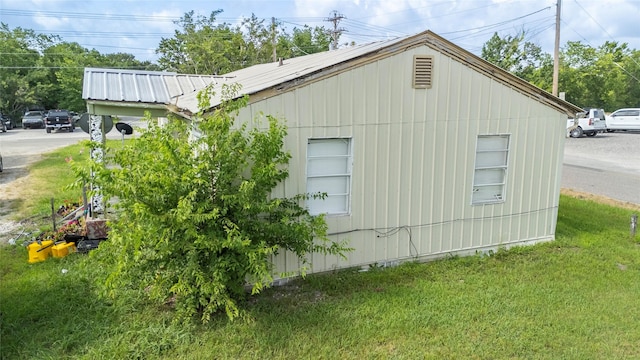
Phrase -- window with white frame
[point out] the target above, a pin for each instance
(329, 164)
(490, 172)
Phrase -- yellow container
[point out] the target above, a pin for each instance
(63, 249)
(39, 252)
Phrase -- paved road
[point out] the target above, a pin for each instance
(18, 146)
(607, 165)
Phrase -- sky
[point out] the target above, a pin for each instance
(137, 26)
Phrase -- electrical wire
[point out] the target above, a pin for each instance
(390, 231)
(603, 29)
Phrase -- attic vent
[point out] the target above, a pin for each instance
(422, 71)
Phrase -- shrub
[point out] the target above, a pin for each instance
(196, 219)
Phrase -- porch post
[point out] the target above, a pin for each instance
(97, 155)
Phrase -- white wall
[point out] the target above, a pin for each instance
(414, 153)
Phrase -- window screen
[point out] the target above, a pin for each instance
(490, 172)
(329, 163)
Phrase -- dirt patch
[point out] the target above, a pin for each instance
(12, 183)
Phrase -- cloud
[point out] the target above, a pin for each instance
(51, 23)
(465, 22)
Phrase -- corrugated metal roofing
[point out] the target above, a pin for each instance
(179, 91)
(264, 76)
(156, 87)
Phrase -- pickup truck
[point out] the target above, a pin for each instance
(590, 123)
(59, 120)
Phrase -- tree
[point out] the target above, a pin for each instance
(19, 73)
(202, 46)
(512, 53)
(631, 66)
(597, 77)
(196, 216)
(309, 40)
(259, 41)
(42, 71)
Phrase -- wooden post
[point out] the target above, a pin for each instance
(84, 195)
(53, 215)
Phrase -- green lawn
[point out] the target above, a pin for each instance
(574, 298)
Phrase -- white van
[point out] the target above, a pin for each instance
(624, 119)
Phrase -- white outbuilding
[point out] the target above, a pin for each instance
(424, 149)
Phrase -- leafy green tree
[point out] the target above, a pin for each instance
(19, 75)
(41, 71)
(514, 54)
(202, 46)
(126, 61)
(599, 77)
(309, 40)
(64, 63)
(197, 219)
(259, 41)
(631, 66)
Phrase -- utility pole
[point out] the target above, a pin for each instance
(556, 51)
(335, 19)
(273, 39)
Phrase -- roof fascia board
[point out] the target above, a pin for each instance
(125, 108)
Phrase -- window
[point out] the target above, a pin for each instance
(329, 163)
(490, 172)
(422, 71)
(626, 113)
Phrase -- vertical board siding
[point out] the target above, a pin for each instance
(414, 155)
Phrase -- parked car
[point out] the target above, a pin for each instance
(3, 127)
(59, 120)
(6, 120)
(1, 167)
(590, 123)
(33, 119)
(624, 119)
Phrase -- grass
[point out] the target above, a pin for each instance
(573, 298)
(49, 178)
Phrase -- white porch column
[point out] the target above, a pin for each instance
(97, 155)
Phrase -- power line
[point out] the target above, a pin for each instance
(603, 29)
(496, 24)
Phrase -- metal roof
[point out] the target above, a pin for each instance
(278, 76)
(178, 92)
(155, 87)
(264, 76)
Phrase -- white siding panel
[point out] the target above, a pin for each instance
(413, 159)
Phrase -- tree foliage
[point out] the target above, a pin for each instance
(599, 77)
(19, 75)
(41, 71)
(606, 77)
(202, 45)
(514, 54)
(197, 221)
